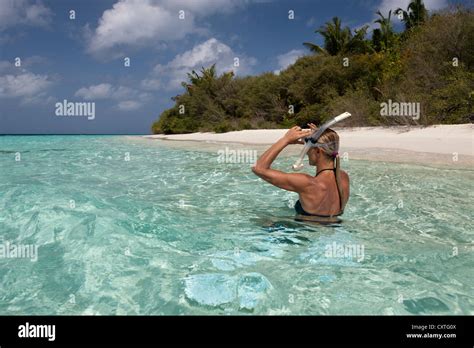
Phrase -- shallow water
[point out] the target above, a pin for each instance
(172, 231)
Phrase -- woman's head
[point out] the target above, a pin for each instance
(328, 148)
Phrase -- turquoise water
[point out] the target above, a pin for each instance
(172, 231)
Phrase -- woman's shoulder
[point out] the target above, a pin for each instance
(345, 181)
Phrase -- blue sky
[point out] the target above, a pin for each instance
(82, 59)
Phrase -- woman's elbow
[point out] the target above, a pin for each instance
(257, 170)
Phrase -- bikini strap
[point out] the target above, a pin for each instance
(333, 169)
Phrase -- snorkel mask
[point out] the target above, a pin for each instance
(312, 140)
(325, 146)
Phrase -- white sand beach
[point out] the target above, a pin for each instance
(443, 144)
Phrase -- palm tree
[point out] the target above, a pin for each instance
(335, 38)
(207, 75)
(358, 43)
(414, 15)
(383, 38)
(377, 40)
(339, 40)
(206, 80)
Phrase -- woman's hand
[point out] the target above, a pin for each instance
(313, 127)
(296, 135)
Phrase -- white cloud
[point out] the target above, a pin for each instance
(288, 58)
(140, 22)
(151, 84)
(203, 7)
(25, 84)
(128, 105)
(30, 88)
(101, 91)
(205, 54)
(387, 5)
(20, 82)
(38, 15)
(23, 12)
(127, 98)
(135, 22)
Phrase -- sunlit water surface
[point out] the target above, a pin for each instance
(172, 231)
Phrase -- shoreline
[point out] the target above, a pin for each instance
(451, 145)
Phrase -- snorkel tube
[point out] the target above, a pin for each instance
(313, 138)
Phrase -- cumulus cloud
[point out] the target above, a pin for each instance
(127, 98)
(204, 54)
(21, 83)
(135, 22)
(101, 91)
(23, 12)
(288, 58)
(141, 22)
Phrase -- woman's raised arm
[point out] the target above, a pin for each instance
(290, 182)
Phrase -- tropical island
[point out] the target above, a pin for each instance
(430, 63)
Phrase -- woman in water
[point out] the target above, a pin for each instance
(321, 197)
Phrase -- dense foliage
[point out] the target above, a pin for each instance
(431, 62)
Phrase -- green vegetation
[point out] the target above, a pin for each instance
(415, 14)
(431, 62)
(338, 40)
